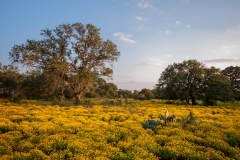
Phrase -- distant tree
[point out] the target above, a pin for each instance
(10, 81)
(135, 94)
(181, 81)
(123, 93)
(36, 85)
(102, 89)
(141, 96)
(147, 94)
(159, 89)
(111, 90)
(74, 53)
(191, 80)
(154, 92)
(233, 74)
(215, 87)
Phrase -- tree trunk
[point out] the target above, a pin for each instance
(5, 93)
(38, 96)
(60, 95)
(12, 94)
(193, 100)
(187, 100)
(77, 97)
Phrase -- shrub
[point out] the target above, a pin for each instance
(209, 102)
(59, 145)
(233, 139)
(4, 128)
(151, 124)
(35, 140)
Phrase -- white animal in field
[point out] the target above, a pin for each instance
(166, 114)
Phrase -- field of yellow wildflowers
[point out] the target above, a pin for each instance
(42, 131)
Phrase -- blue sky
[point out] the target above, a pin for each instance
(150, 34)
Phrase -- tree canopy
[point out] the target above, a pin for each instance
(73, 53)
(233, 74)
(146, 94)
(10, 80)
(192, 80)
(103, 89)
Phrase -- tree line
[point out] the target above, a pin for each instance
(183, 85)
(73, 61)
(35, 85)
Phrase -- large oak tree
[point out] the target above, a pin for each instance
(75, 53)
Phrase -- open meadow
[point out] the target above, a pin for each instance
(42, 131)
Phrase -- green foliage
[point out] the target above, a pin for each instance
(190, 81)
(233, 74)
(233, 139)
(166, 154)
(217, 87)
(147, 93)
(74, 54)
(189, 120)
(123, 93)
(102, 89)
(181, 81)
(34, 154)
(35, 140)
(135, 94)
(209, 102)
(66, 103)
(59, 145)
(10, 81)
(151, 124)
(87, 103)
(4, 128)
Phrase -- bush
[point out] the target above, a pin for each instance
(233, 139)
(4, 129)
(61, 102)
(35, 140)
(209, 102)
(151, 124)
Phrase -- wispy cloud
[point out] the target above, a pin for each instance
(233, 49)
(124, 37)
(178, 23)
(141, 27)
(141, 18)
(166, 31)
(144, 4)
(188, 26)
(186, 1)
(222, 60)
(152, 62)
